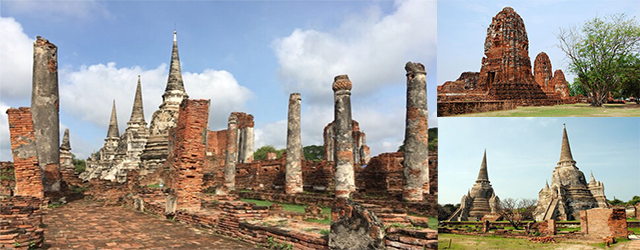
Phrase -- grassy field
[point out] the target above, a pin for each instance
(494, 242)
(567, 110)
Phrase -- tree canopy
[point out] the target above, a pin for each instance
(261, 153)
(313, 152)
(604, 54)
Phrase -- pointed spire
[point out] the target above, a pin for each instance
(565, 151)
(66, 145)
(175, 75)
(137, 114)
(483, 175)
(593, 180)
(546, 184)
(113, 123)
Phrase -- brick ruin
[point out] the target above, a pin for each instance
(600, 222)
(202, 173)
(506, 74)
(569, 192)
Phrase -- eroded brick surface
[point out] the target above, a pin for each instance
(601, 222)
(20, 223)
(85, 224)
(25, 155)
(187, 153)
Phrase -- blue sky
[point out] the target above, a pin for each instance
(462, 29)
(522, 153)
(244, 56)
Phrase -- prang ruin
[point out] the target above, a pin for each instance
(506, 79)
(178, 169)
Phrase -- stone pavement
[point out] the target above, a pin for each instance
(85, 224)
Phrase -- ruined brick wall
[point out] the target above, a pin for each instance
(188, 142)
(217, 142)
(318, 176)
(20, 220)
(269, 175)
(25, 156)
(447, 108)
(432, 185)
(601, 222)
(383, 175)
(214, 163)
(7, 178)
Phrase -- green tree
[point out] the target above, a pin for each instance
(79, 164)
(261, 153)
(576, 88)
(313, 152)
(600, 52)
(635, 200)
(616, 202)
(444, 212)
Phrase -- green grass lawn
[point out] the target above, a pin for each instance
(495, 242)
(567, 110)
(295, 208)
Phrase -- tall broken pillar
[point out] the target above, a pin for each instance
(25, 154)
(416, 156)
(231, 155)
(293, 166)
(45, 111)
(352, 225)
(187, 155)
(343, 139)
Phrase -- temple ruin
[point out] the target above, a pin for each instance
(176, 168)
(506, 79)
(481, 203)
(569, 192)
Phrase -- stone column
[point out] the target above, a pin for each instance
(294, 147)
(343, 139)
(232, 151)
(416, 157)
(45, 111)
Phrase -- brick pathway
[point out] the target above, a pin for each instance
(85, 224)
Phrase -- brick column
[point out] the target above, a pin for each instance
(343, 139)
(416, 162)
(294, 147)
(189, 152)
(45, 111)
(25, 153)
(232, 151)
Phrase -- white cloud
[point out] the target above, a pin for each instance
(5, 143)
(88, 92)
(371, 48)
(16, 60)
(274, 134)
(224, 91)
(54, 10)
